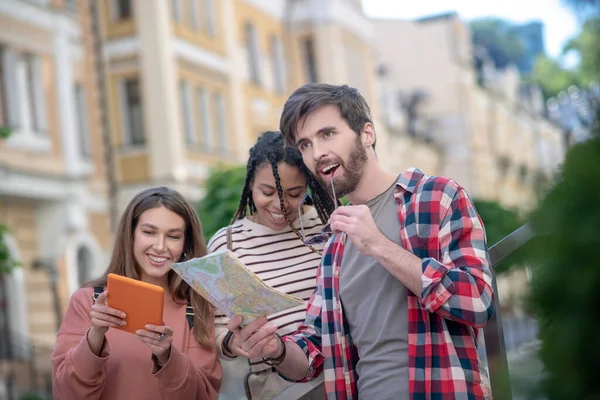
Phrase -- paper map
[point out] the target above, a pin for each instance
(222, 279)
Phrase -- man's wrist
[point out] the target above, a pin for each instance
(278, 359)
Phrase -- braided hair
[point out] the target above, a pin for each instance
(271, 149)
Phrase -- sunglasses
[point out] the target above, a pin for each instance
(326, 232)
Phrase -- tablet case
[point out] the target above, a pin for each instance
(142, 302)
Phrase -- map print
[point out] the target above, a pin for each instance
(222, 279)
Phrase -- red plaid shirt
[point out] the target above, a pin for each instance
(441, 226)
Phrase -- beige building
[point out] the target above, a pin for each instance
(52, 172)
(494, 138)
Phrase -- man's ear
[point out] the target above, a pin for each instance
(367, 135)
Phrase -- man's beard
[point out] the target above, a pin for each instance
(353, 171)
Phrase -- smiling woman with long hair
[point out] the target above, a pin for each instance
(176, 360)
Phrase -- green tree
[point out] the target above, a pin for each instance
(499, 38)
(4, 132)
(587, 46)
(566, 276)
(7, 263)
(223, 189)
(499, 222)
(552, 77)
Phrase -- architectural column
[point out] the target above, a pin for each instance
(65, 92)
(158, 78)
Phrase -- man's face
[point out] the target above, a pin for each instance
(331, 149)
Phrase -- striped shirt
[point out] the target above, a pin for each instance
(281, 260)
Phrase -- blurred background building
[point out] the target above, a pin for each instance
(107, 98)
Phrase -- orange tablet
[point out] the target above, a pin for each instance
(142, 302)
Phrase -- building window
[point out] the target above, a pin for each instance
(34, 93)
(211, 17)
(82, 121)
(253, 53)
(278, 62)
(195, 14)
(221, 123)
(310, 62)
(133, 127)
(11, 97)
(4, 90)
(176, 10)
(205, 119)
(121, 9)
(186, 108)
(23, 102)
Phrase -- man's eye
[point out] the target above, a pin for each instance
(304, 146)
(328, 134)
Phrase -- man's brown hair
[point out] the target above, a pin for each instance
(312, 96)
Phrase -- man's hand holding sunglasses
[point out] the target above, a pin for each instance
(358, 224)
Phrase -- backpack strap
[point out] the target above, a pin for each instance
(97, 292)
(229, 239)
(189, 312)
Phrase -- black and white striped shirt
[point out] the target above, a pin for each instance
(281, 260)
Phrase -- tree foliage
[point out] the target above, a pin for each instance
(566, 276)
(7, 263)
(499, 222)
(551, 77)
(587, 46)
(500, 39)
(223, 189)
(4, 132)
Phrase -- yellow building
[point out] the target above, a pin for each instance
(192, 83)
(53, 192)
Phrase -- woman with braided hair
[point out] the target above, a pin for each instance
(266, 233)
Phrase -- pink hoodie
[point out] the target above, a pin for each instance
(125, 369)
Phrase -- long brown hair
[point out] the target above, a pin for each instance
(123, 260)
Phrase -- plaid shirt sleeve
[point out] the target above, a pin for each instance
(459, 287)
(308, 334)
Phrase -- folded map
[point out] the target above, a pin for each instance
(223, 280)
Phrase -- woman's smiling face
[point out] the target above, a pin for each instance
(266, 199)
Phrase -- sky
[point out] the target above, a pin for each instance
(559, 21)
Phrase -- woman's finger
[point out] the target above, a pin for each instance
(153, 335)
(105, 317)
(160, 329)
(100, 323)
(108, 310)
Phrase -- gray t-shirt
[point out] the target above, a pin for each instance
(375, 307)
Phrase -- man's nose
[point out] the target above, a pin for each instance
(319, 151)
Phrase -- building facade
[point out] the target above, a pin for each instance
(53, 191)
(492, 131)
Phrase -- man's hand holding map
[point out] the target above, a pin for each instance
(222, 279)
